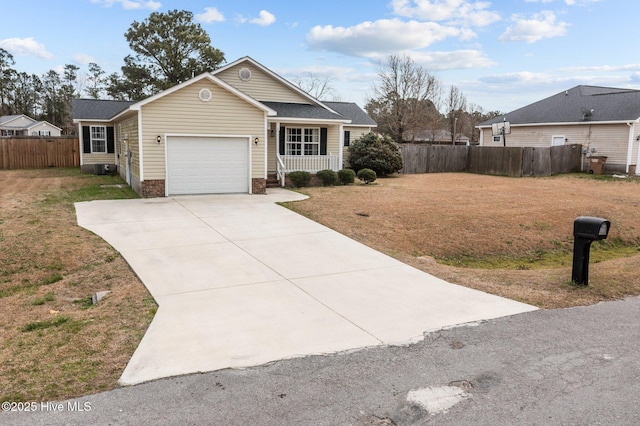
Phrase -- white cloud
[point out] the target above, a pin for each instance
(384, 36)
(472, 13)
(131, 4)
(211, 14)
(25, 47)
(265, 19)
(458, 59)
(540, 26)
(83, 59)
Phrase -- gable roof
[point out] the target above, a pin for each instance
(273, 75)
(578, 105)
(97, 109)
(6, 120)
(352, 111)
(211, 78)
(304, 111)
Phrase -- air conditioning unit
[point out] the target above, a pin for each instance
(100, 169)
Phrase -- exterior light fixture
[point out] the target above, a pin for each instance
(158, 138)
(256, 140)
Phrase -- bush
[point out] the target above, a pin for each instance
(367, 175)
(300, 179)
(378, 153)
(327, 177)
(346, 176)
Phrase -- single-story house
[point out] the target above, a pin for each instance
(22, 125)
(221, 132)
(440, 137)
(604, 120)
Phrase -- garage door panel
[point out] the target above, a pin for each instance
(207, 165)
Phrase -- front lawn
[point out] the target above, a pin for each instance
(508, 236)
(55, 343)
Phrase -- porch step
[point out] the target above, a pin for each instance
(273, 181)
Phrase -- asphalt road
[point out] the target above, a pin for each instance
(578, 366)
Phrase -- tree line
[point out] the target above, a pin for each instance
(169, 48)
(407, 100)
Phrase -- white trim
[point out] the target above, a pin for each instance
(578, 123)
(629, 147)
(342, 147)
(277, 77)
(137, 106)
(266, 150)
(140, 154)
(311, 121)
(200, 135)
(638, 161)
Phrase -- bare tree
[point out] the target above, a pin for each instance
(405, 96)
(456, 105)
(317, 85)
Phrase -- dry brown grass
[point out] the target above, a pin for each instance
(54, 344)
(507, 236)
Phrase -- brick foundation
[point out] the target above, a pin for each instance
(258, 186)
(152, 188)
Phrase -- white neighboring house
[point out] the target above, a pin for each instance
(22, 125)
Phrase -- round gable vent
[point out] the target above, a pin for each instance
(244, 74)
(205, 95)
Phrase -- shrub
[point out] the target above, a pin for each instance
(346, 176)
(300, 179)
(327, 177)
(367, 175)
(378, 153)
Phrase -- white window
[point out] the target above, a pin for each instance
(302, 141)
(98, 139)
(557, 140)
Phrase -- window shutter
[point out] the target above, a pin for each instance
(323, 141)
(282, 139)
(86, 140)
(111, 146)
(347, 138)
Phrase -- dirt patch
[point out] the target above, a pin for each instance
(512, 227)
(55, 344)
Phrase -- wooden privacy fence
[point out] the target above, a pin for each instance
(39, 153)
(503, 161)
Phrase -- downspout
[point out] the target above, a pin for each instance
(629, 148)
(341, 147)
(481, 138)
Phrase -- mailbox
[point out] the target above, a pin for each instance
(586, 230)
(591, 228)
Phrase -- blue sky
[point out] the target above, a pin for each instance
(501, 54)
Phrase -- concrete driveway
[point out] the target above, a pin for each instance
(241, 281)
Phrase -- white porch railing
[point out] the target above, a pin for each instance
(310, 163)
(280, 169)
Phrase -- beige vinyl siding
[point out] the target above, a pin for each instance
(261, 86)
(182, 112)
(611, 140)
(356, 133)
(89, 158)
(128, 129)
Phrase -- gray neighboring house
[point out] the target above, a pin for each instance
(604, 120)
(22, 125)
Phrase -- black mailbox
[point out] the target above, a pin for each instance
(586, 229)
(591, 228)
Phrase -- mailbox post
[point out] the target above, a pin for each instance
(586, 230)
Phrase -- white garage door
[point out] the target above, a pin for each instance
(207, 165)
